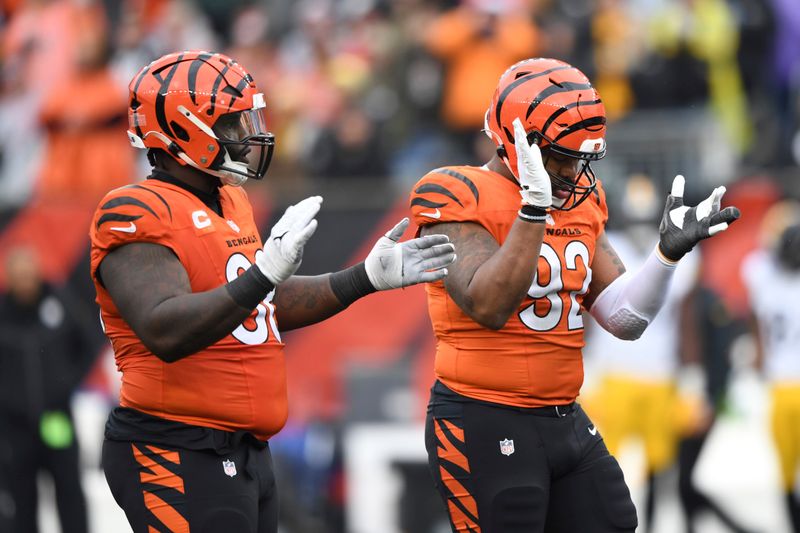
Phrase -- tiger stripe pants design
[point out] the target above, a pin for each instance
(165, 489)
(502, 469)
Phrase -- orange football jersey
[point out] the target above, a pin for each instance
(239, 383)
(535, 359)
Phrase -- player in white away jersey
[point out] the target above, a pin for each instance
(772, 277)
(636, 394)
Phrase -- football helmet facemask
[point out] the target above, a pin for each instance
(205, 111)
(561, 112)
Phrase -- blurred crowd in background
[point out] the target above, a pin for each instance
(386, 89)
(379, 92)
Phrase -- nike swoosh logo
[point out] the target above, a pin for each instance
(592, 430)
(126, 229)
(435, 214)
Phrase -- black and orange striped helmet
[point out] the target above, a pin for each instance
(204, 110)
(561, 112)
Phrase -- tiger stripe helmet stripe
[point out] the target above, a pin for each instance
(194, 69)
(176, 101)
(560, 111)
(520, 78)
(161, 96)
(552, 90)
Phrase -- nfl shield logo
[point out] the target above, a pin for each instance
(230, 468)
(506, 447)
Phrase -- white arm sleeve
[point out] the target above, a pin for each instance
(627, 306)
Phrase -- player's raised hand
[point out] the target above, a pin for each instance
(534, 181)
(283, 250)
(392, 264)
(682, 226)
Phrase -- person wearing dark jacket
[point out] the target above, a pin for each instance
(46, 349)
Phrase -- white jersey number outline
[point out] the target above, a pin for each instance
(236, 263)
(551, 290)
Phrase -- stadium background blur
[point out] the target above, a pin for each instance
(364, 97)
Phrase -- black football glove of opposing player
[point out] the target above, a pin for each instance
(682, 226)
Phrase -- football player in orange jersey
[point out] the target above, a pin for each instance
(194, 302)
(509, 448)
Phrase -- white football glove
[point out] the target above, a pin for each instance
(392, 264)
(283, 250)
(682, 227)
(534, 180)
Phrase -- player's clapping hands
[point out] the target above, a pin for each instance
(283, 250)
(392, 264)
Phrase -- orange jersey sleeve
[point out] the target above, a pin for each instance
(446, 194)
(235, 384)
(535, 359)
(135, 213)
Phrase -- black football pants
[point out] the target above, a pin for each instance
(172, 490)
(503, 469)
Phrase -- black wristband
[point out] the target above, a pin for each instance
(529, 213)
(351, 284)
(250, 288)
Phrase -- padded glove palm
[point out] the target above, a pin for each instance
(534, 180)
(392, 264)
(283, 250)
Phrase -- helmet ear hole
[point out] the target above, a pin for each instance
(509, 135)
(180, 131)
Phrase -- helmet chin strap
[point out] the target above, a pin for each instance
(233, 173)
(228, 173)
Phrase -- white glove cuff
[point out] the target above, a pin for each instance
(275, 271)
(627, 306)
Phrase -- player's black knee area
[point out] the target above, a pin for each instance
(518, 510)
(613, 494)
(225, 521)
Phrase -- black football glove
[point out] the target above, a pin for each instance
(682, 227)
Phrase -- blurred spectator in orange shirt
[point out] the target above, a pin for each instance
(47, 33)
(476, 42)
(86, 150)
